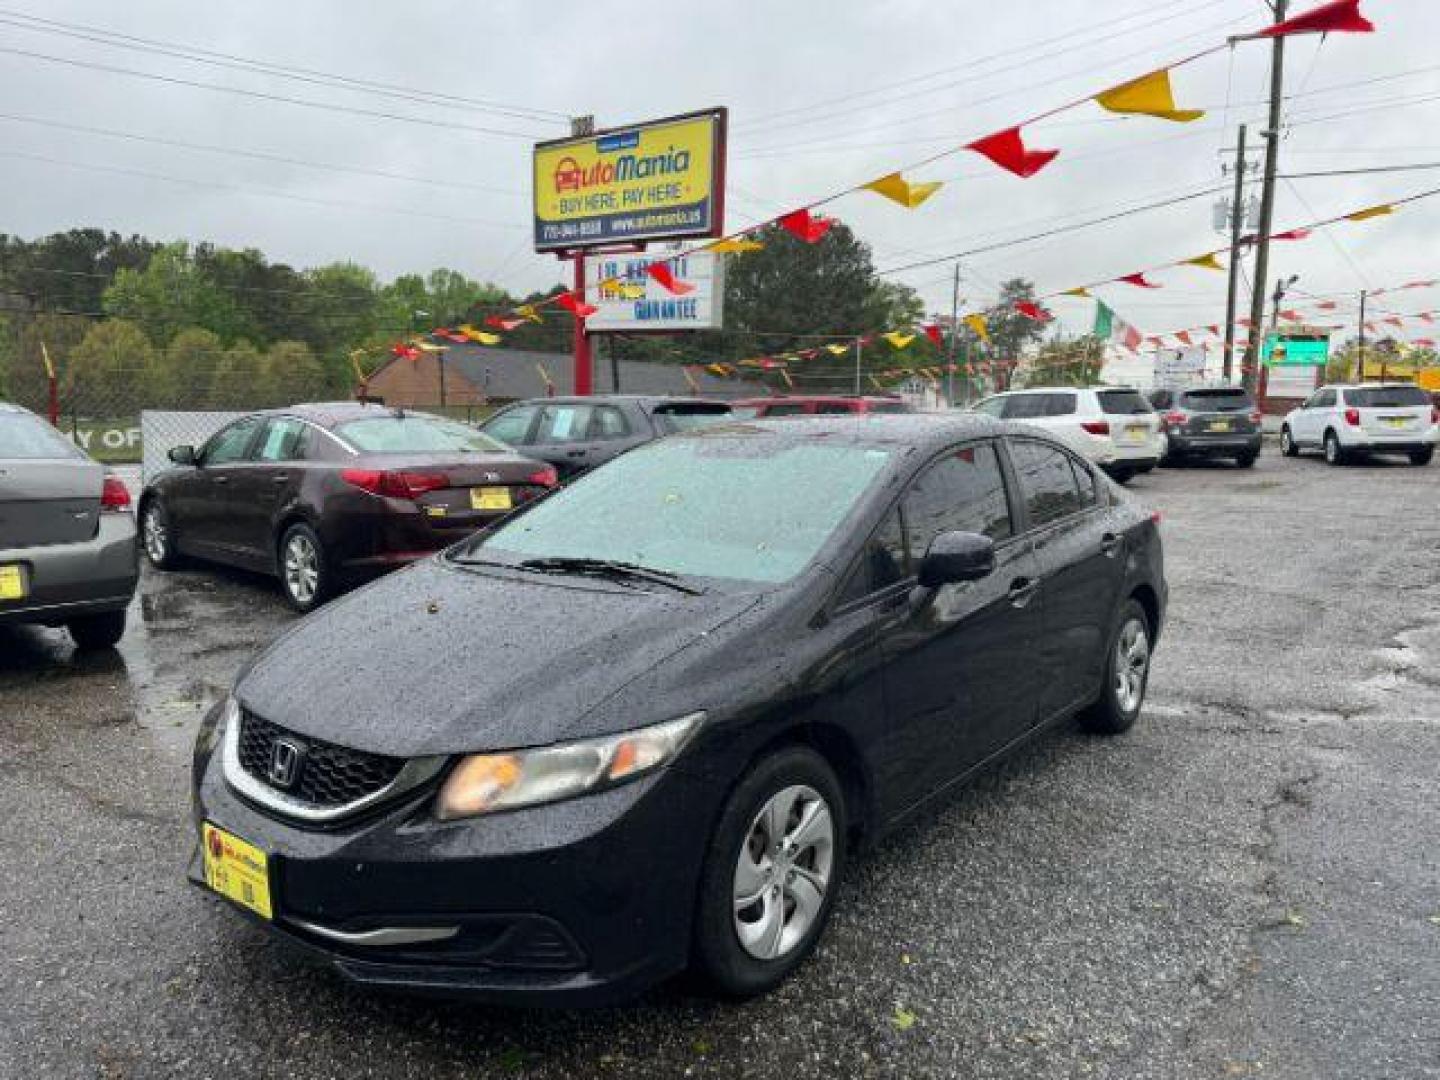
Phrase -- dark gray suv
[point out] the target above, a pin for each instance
(1208, 421)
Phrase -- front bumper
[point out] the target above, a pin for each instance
(65, 581)
(581, 902)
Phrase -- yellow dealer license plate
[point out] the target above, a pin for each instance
(490, 498)
(12, 582)
(1397, 421)
(1220, 425)
(236, 869)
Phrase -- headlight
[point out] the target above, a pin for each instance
(482, 783)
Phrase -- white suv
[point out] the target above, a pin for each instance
(1373, 418)
(1113, 426)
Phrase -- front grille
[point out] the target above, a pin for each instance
(325, 775)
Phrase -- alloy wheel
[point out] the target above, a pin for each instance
(1132, 662)
(302, 568)
(155, 534)
(783, 872)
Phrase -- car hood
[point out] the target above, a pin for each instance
(442, 660)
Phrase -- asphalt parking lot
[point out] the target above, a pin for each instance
(1248, 884)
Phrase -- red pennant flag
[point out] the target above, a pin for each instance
(1214, 329)
(1393, 321)
(500, 323)
(662, 273)
(1419, 284)
(577, 307)
(1132, 338)
(1006, 149)
(1291, 234)
(1336, 16)
(1033, 311)
(1183, 336)
(404, 351)
(1326, 305)
(450, 335)
(1370, 326)
(1428, 343)
(1138, 280)
(800, 223)
(1290, 315)
(932, 331)
(1243, 322)
(1426, 316)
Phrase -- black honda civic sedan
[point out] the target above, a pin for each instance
(640, 724)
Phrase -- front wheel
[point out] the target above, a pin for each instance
(1334, 452)
(1287, 443)
(304, 573)
(158, 536)
(1422, 457)
(770, 878)
(1127, 673)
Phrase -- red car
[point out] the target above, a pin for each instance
(816, 405)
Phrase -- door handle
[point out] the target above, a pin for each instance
(576, 453)
(1110, 544)
(1021, 590)
(220, 479)
(279, 478)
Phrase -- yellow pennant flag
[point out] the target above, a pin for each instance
(899, 340)
(1205, 262)
(1079, 290)
(527, 311)
(978, 324)
(717, 369)
(425, 346)
(895, 187)
(1149, 95)
(1370, 212)
(838, 350)
(480, 336)
(737, 246)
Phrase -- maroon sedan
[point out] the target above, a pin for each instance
(326, 495)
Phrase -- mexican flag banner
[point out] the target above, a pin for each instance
(1110, 327)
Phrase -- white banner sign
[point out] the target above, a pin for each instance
(1180, 367)
(632, 300)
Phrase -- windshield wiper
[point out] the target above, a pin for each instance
(608, 568)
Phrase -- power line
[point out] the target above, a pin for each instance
(257, 155)
(115, 39)
(260, 95)
(267, 192)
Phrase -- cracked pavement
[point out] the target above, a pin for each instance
(1248, 884)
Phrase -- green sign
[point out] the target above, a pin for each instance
(1282, 351)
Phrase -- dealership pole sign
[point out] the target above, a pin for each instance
(630, 300)
(660, 180)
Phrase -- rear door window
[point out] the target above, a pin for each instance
(1220, 400)
(1387, 397)
(284, 439)
(1047, 481)
(686, 416)
(1123, 402)
(1325, 399)
(889, 407)
(1024, 407)
(784, 408)
(26, 437)
(563, 424)
(608, 422)
(994, 406)
(833, 408)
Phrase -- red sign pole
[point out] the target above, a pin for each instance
(582, 380)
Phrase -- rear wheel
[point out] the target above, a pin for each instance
(1127, 672)
(770, 878)
(1287, 443)
(1334, 452)
(102, 631)
(1422, 457)
(1246, 460)
(304, 575)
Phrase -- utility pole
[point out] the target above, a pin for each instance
(859, 347)
(1267, 201)
(1237, 216)
(1360, 348)
(954, 338)
(1281, 284)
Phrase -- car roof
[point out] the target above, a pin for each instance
(641, 399)
(818, 398)
(328, 414)
(921, 431)
(8, 407)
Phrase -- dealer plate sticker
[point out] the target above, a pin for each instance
(237, 870)
(12, 582)
(490, 498)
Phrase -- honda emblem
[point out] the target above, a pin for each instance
(286, 760)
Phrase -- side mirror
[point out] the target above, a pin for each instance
(183, 455)
(957, 556)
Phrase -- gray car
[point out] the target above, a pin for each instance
(68, 550)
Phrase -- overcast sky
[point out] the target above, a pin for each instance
(821, 96)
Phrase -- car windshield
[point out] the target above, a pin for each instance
(1386, 397)
(889, 407)
(29, 438)
(416, 435)
(689, 417)
(1219, 400)
(748, 508)
(1123, 402)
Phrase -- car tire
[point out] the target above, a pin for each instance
(1127, 674)
(1287, 443)
(1246, 461)
(1122, 476)
(157, 535)
(102, 631)
(742, 950)
(1334, 452)
(304, 570)
(1422, 457)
